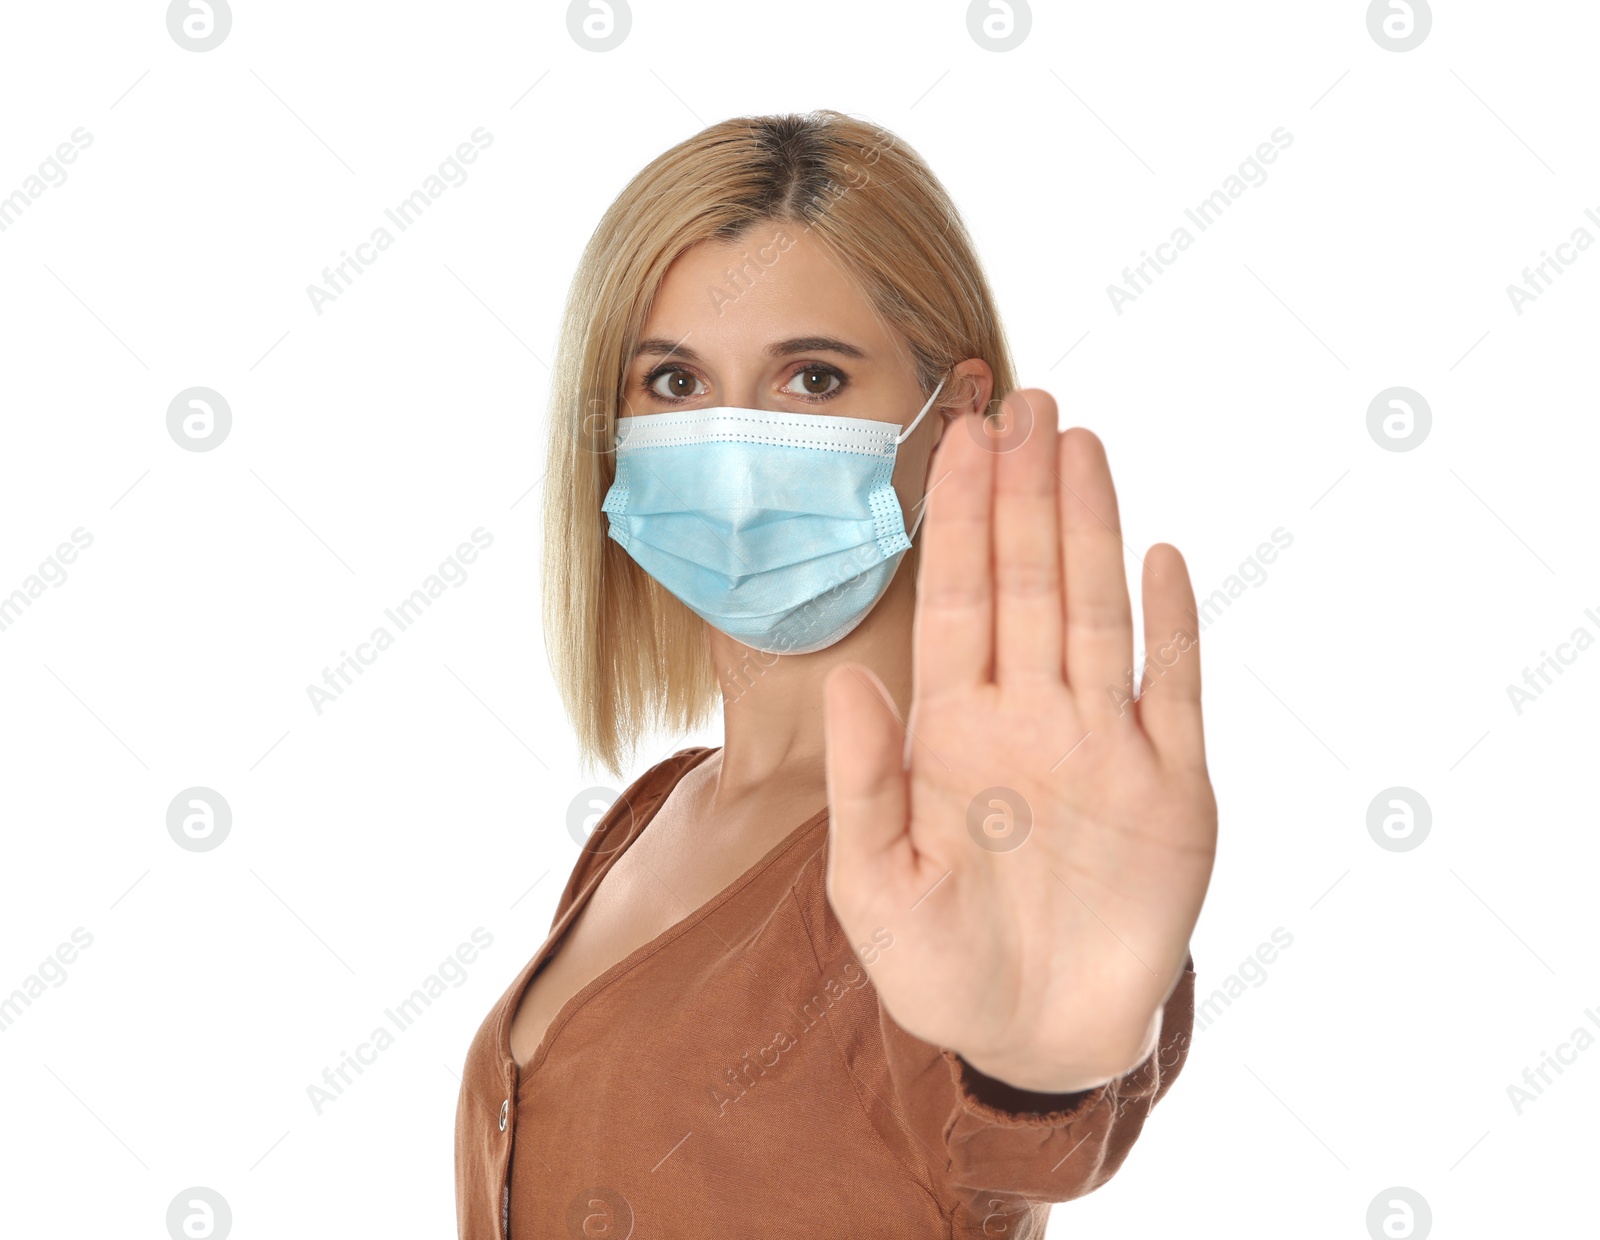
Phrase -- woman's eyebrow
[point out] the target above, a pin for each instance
(665, 348)
(662, 347)
(813, 344)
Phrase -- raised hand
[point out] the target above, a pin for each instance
(1042, 844)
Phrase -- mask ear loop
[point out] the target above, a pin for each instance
(906, 434)
(922, 504)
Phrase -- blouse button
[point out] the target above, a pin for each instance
(505, 1109)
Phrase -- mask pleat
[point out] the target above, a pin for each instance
(784, 538)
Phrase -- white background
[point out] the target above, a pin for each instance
(368, 441)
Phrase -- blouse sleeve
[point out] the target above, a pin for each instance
(984, 1137)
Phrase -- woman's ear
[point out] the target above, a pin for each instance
(971, 389)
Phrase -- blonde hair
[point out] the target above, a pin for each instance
(627, 656)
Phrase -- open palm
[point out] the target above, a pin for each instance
(1038, 841)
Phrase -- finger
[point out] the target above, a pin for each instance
(868, 804)
(1027, 542)
(952, 640)
(1099, 615)
(1169, 691)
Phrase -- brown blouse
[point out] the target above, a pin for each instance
(737, 1076)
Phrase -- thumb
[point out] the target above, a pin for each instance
(867, 785)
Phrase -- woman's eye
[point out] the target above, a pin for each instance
(674, 385)
(813, 381)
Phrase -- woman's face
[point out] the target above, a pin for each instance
(771, 321)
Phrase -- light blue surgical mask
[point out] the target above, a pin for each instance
(779, 529)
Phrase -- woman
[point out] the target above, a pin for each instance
(908, 954)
